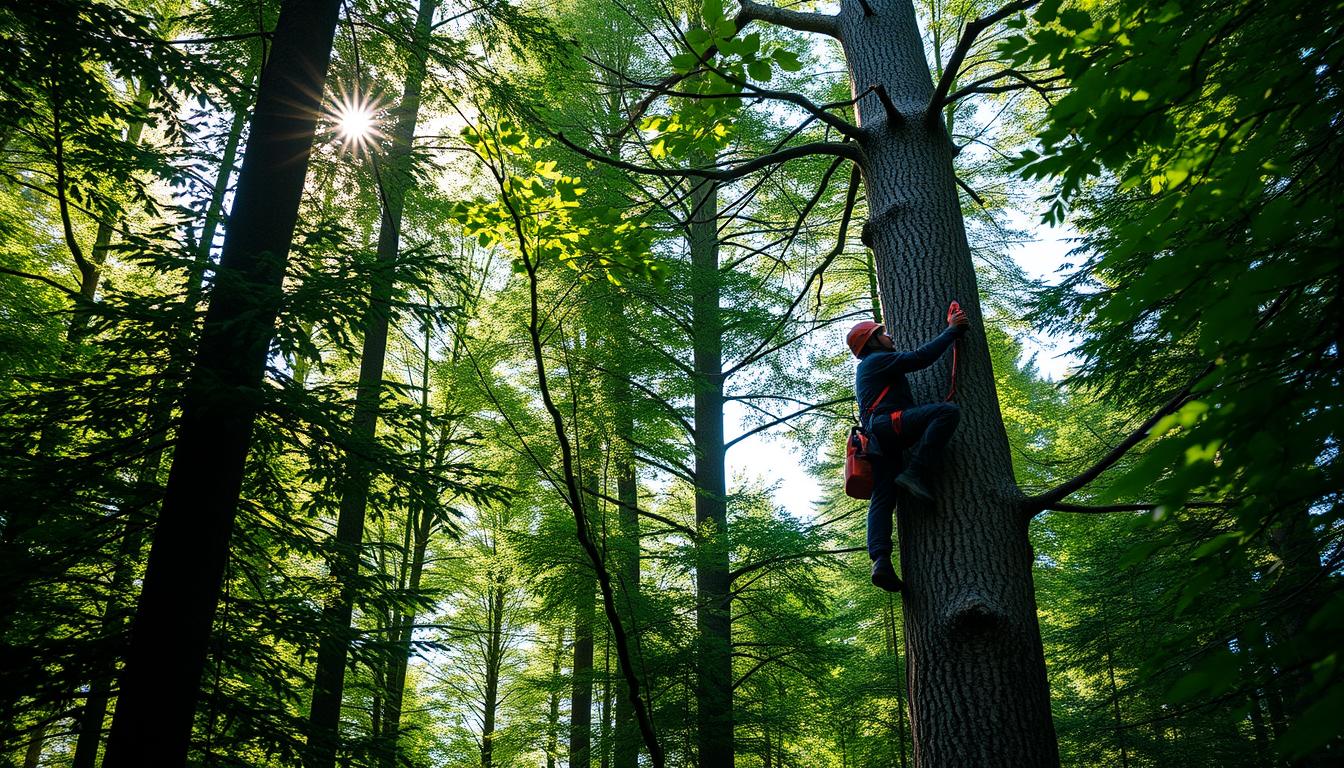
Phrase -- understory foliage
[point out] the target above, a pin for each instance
(534, 530)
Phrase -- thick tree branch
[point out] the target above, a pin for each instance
(978, 200)
(1035, 504)
(972, 31)
(1088, 509)
(796, 20)
(737, 171)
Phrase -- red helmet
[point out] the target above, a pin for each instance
(859, 335)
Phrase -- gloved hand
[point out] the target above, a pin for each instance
(957, 319)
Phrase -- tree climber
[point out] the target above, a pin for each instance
(894, 422)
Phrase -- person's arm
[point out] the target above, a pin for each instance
(926, 355)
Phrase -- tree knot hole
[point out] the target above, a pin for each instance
(974, 616)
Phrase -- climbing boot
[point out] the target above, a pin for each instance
(909, 480)
(884, 575)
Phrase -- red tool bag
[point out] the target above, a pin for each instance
(858, 461)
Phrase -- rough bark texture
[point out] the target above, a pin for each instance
(714, 667)
(978, 687)
(329, 677)
(161, 680)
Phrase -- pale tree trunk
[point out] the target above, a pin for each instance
(553, 703)
(394, 181)
(604, 707)
(419, 526)
(978, 687)
(170, 640)
(493, 661)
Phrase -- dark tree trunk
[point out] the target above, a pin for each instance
(329, 677)
(714, 667)
(978, 688)
(170, 638)
(625, 749)
(581, 693)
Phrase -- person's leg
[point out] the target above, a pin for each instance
(934, 425)
(881, 506)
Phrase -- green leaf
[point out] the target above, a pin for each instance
(787, 60)
(684, 62)
(711, 12)
(760, 70)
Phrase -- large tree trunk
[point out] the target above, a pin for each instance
(94, 713)
(161, 680)
(714, 667)
(978, 687)
(329, 677)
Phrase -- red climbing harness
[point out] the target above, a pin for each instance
(858, 459)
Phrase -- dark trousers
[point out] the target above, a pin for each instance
(925, 427)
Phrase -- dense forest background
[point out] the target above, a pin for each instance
(371, 372)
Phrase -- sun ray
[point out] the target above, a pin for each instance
(354, 120)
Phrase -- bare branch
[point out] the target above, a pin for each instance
(764, 348)
(846, 129)
(780, 420)
(737, 171)
(796, 20)
(756, 566)
(29, 276)
(888, 106)
(968, 36)
(1024, 81)
(978, 200)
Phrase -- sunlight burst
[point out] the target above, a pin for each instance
(355, 118)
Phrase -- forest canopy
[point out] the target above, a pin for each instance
(424, 383)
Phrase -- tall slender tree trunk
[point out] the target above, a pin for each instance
(894, 648)
(553, 702)
(625, 747)
(395, 179)
(714, 667)
(214, 212)
(493, 662)
(979, 694)
(581, 691)
(170, 639)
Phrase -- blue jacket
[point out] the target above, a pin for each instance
(887, 369)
